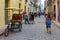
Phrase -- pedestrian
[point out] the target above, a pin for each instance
(39, 14)
(48, 23)
(32, 17)
(29, 16)
(26, 18)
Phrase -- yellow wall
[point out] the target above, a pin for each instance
(2, 20)
(27, 6)
(23, 6)
(53, 3)
(13, 4)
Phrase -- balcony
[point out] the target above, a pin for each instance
(49, 2)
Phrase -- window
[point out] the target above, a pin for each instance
(54, 8)
(19, 5)
(25, 1)
(25, 8)
(28, 9)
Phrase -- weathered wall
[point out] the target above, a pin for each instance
(2, 17)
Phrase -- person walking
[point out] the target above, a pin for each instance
(48, 23)
(26, 18)
(32, 18)
(39, 14)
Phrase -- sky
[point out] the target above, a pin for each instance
(42, 4)
(42, 1)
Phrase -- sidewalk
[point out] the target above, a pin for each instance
(2, 29)
(56, 23)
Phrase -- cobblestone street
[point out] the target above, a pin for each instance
(35, 31)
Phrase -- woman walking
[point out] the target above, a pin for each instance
(48, 23)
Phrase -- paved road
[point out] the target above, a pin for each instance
(35, 31)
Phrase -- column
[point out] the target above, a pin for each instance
(56, 11)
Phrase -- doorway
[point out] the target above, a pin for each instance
(54, 16)
(6, 11)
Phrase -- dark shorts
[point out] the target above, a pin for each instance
(32, 17)
(48, 26)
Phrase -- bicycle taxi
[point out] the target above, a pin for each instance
(15, 22)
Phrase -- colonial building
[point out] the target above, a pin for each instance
(4, 14)
(54, 7)
(46, 7)
(24, 6)
(7, 7)
(57, 10)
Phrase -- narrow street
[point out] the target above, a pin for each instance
(35, 31)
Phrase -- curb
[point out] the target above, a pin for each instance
(2, 32)
(56, 24)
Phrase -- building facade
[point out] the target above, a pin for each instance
(4, 13)
(24, 6)
(54, 7)
(57, 8)
(46, 7)
(6, 7)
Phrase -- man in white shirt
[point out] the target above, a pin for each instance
(26, 18)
